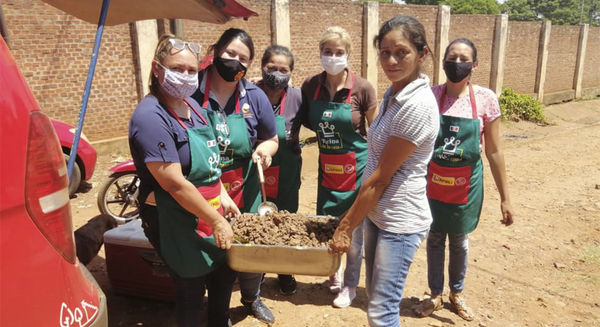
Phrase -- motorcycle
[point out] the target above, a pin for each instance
(118, 196)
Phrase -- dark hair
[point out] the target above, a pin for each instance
(228, 36)
(412, 28)
(275, 50)
(463, 41)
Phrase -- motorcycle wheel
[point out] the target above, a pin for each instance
(118, 197)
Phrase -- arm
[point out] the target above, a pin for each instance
(267, 142)
(265, 151)
(372, 106)
(170, 178)
(371, 113)
(396, 151)
(495, 156)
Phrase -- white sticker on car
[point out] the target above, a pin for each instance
(80, 316)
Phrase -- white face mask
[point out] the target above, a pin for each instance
(334, 65)
(179, 85)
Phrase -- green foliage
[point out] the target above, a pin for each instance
(490, 7)
(423, 2)
(516, 107)
(560, 12)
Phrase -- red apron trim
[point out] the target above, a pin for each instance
(179, 119)
(272, 181)
(348, 99)
(282, 105)
(212, 194)
(448, 184)
(233, 181)
(339, 171)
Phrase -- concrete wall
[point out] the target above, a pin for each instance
(53, 51)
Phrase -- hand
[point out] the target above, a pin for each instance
(230, 209)
(223, 234)
(507, 213)
(340, 243)
(258, 157)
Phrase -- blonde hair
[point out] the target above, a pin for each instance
(336, 33)
(163, 50)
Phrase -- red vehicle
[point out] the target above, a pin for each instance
(43, 283)
(85, 163)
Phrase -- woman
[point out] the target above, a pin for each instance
(246, 135)
(341, 106)
(469, 114)
(181, 197)
(392, 195)
(282, 179)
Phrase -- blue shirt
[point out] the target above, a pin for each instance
(260, 119)
(156, 136)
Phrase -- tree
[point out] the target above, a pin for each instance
(560, 12)
(463, 6)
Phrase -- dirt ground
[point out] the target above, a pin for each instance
(542, 271)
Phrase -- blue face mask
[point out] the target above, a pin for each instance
(275, 80)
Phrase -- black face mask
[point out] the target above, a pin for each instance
(457, 71)
(230, 70)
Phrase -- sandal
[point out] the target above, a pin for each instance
(461, 307)
(428, 306)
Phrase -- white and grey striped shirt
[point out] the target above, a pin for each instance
(411, 114)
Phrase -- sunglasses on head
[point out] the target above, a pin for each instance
(180, 45)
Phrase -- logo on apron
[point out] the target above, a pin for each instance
(454, 129)
(450, 150)
(327, 114)
(215, 203)
(441, 180)
(213, 162)
(211, 143)
(226, 154)
(334, 169)
(329, 138)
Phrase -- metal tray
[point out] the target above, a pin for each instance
(281, 259)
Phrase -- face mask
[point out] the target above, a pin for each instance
(334, 65)
(179, 85)
(457, 71)
(275, 80)
(230, 70)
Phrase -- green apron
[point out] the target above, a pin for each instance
(187, 244)
(342, 154)
(239, 179)
(285, 167)
(455, 175)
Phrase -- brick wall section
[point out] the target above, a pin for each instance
(520, 64)
(427, 15)
(591, 66)
(259, 29)
(562, 58)
(308, 21)
(53, 51)
(480, 30)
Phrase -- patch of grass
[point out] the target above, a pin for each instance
(591, 254)
(516, 107)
